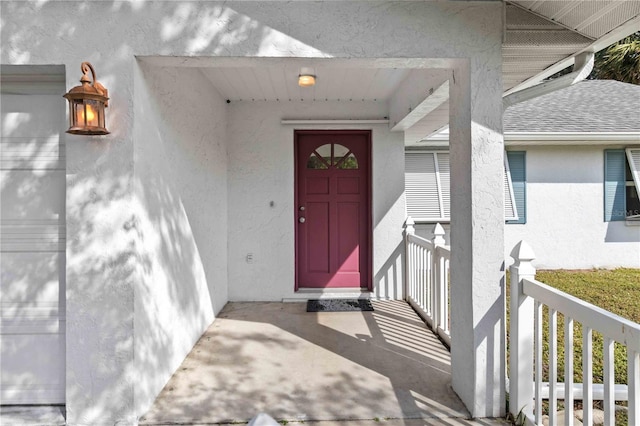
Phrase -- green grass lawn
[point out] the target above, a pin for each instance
(617, 291)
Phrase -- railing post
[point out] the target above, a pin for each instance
(521, 332)
(436, 278)
(438, 235)
(409, 229)
(409, 226)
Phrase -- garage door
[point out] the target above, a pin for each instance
(32, 235)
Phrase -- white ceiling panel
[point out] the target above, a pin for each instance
(280, 82)
(591, 18)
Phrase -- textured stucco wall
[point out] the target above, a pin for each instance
(477, 225)
(261, 172)
(104, 273)
(180, 164)
(565, 220)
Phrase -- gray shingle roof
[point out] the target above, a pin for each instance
(588, 106)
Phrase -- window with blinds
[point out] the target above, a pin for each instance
(427, 187)
(632, 184)
(621, 184)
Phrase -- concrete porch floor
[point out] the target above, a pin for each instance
(357, 368)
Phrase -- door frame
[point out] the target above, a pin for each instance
(369, 205)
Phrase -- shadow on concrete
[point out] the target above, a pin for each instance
(299, 366)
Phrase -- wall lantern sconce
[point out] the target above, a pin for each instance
(86, 105)
(306, 78)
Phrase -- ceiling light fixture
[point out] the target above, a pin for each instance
(306, 78)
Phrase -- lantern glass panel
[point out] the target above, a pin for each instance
(91, 109)
(78, 113)
(101, 116)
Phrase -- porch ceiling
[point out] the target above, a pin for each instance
(280, 83)
(541, 38)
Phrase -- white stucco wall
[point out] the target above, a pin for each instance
(180, 202)
(107, 279)
(261, 173)
(565, 220)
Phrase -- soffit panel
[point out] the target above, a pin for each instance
(593, 18)
(271, 83)
(533, 43)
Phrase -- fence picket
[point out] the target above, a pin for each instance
(587, 376)
(568, 371)
(609, 376)
(427, 272)
(553, 365)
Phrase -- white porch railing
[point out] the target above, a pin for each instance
(526, 390)
(427, 275)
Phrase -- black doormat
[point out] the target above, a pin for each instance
(339, 305)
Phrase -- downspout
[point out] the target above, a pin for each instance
(581, 69)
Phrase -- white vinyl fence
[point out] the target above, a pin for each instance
(427, 275)
(526, 388)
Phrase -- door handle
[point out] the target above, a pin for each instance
(302, 220)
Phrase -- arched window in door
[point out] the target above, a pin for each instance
(332, 156)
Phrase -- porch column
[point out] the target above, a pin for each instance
(477, 236)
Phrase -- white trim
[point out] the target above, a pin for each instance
(422, 221)
(550, 138)
(581, 70)
(32, 79)
(560, 138)
(329, 121)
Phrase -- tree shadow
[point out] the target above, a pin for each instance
(145, 266)
(276, 358)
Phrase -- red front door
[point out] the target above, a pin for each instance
(332, 209)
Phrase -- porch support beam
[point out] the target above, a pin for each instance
(477, 236)
(419, 94)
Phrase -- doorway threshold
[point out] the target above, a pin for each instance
(303, 294)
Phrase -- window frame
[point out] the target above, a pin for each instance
(521, 208)
(616, 183)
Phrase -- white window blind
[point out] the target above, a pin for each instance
(510, 210)
(423, 185)
(633, 156)
(427, 187)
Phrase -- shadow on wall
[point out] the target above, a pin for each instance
(116, 241)
(181, 188)
(136, 238)
(387, 283)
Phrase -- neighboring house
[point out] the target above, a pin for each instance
(223, 180)
(572, 171)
